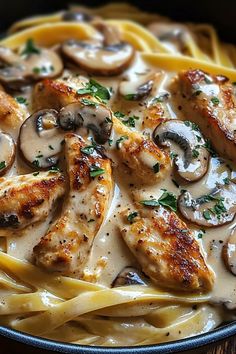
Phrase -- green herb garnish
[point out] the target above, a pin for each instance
(206, 214)
(130, 97)
(215, 101)
(2, 164)
(30, 48)
(167, 199)
(21, 100)
(88, 150)
(131, 216)
(156, 167)
(96, 171)
(97, 90)
(120, 141)
(87, 102)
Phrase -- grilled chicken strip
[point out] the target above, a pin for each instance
(209, 101)
(167, 251)
(137, 152)
(27, 199)
(11, 114)
(141, 155)
(66, 246)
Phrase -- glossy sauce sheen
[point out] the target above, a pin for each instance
(109, 254)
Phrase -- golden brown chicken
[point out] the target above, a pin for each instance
(167, 251)
(66, 246)
(28, 198)
(209, 101)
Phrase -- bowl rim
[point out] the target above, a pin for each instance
(178, 346)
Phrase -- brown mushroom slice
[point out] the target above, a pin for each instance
(77, 16)
(229, 252)
(194, 163)
(96, 117)
(40, 139)
(21, 70)
(128, 276)
(99, 59)
(211, 210)
(7, 152)
(137, 89)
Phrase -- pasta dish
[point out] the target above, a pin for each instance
(117, 187)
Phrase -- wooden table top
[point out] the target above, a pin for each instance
(12, 347)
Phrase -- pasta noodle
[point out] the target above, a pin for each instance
(89, 310)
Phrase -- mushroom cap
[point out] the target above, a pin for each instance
(128, 276)
(211, 210)
(194, 163)
(21, 70)
(97, 59)
(96, 117)
(7, 152)
(40, 139)
(77, 16)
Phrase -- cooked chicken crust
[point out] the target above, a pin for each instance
(167, 251)
(210, 102)
(27, 199)
(11, 114)
(137, 152)
(66, 246)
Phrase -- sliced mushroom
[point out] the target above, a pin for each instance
(7, 152)
(111, 34)
(40, 139)
(194, 163)
(77, 16)
(211, 210)
(129, 276)
(99, 59)
(229, 253)
(137, 89)
(20, 70)
(96, 117)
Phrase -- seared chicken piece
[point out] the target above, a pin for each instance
(11, 114)
(53, 94)
(65, 248)
(138, 152)
(209, 101)
(167, 251)
(27, 199)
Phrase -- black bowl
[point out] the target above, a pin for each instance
(222, 15)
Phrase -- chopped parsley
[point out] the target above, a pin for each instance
(43, 69)
(206, 214)
(54, 169)
(195, 153)
(36, 163)
(2, 164)
(215, 101)
(30, 48)
(110, 142)
(226, 180)
(96, 171)
(131, 216)
(156, 167)
(39, 156)
(173, 155)
(35, 173)
(88, 150)
(209, 147)
(197, 92)
(51, 147)
(193, 125)
(87, 102)
(97, 90)
(130, 121)
(201, 233)
(121, 140)
(21, 100)
(119, 114)
(130, 97)
(167, 199)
